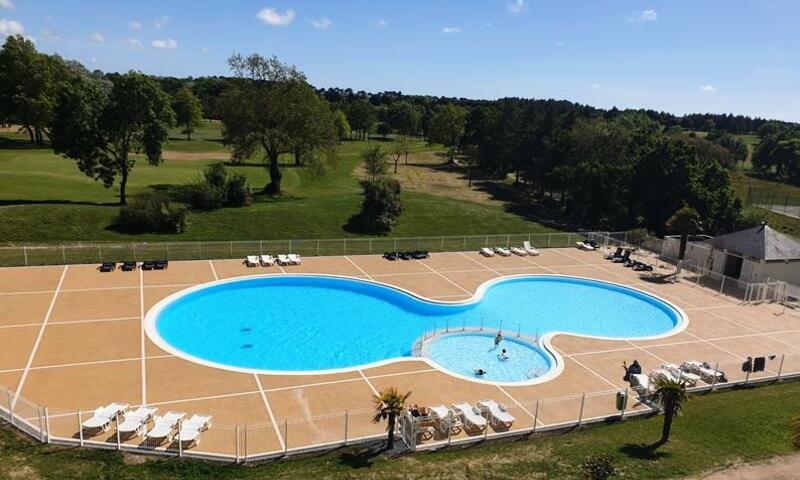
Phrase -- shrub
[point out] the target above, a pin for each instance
(217, 189)
(381, 206)
(598, 467)
(152, 212)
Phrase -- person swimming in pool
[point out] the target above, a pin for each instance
(498, 338)
(503, 355)
(479, 372)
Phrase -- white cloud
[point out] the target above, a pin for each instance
(596, 85)
(645, 16)
(517, 6)
(49, 35)
(204, 49)
(162, 22)
(10, 27)
(274, 18)
(381, 23)
(135, 25)
(97, 37)
(323, 23)
(451, 30)
(166, 44)
(135, 42)
(708, 89)
(7, 4)
(559, 44)
(93, 60)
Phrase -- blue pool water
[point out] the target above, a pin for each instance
(301, 323)
(462, 353)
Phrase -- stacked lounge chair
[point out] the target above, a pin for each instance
(706, 372)
(470, 416)
(497, 413)
(503, 252)
(530, 249)
(289, 259)
(487, 252)
(691, 379)
(191, 429)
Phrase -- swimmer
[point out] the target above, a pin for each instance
(503, 355)
(498, 338)
(479, 372)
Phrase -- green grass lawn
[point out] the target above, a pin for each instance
(715, 431)
(207, 138)
(44, 198)
(748, 186)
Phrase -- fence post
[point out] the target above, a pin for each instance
(231, 250)
(486, 242)
(41, 423)
(116, 427)
(261, 247)
(25, 254)
(714, 379)
(580, 414)
(238, 443)
(80, 428)
(318, 248)
(450, 430)
(285, 436)
(10, 407)
(508, 240)
(244, 457)
(722, 285)
(370, 246)
(134, 252)
(464, 244)
(63, 255)
(535, 417)
(344, 247)
(780, 367)
(47, 423)
(346, 418)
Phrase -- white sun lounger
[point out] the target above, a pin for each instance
(503, 251)
(164, 427)
(445, 419)
(707, 374)
(267, 260)
(691, 379)
(641, 383)
(487, 252)
(529, 248)
(102, 417)
(294, 259)
(252, 261)
(192, 428)
(136, 420)
(663, 373)
(585, 246)
(497, 413)
(283, 260)
(519, 251)
(470, 416)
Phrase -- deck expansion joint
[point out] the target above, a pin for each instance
(363, 272)
(141, 337)
(213, 270)
(269, 412)
(371, 386)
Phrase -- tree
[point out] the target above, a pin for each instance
(101, 129)
(188, 112)
(384, 129)
(342, 125)
(362, 117)
(270, 107)
(447, 128)
(404, 118)
(685, 221)
(672, 396)
(28, 86)
(374, 162)
(389, 404)
(401, 148)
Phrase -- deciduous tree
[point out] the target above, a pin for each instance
(188, 112)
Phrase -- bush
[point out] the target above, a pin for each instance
(381, 206)
(752, 217)
(599, 467)
(217, 189)
(152, 212)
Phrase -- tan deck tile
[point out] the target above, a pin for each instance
(758, 318)
(29, 279)
(551, 258)
(592, 258)
(229, 411)
(706, 325)
(88, 342)
(377, 265)
(180, 272)
(470, 281)
(309, 401)
(153, 295)
(237, 268)
(173, 378)
(574, 380)
(790, 338)
(88, 276)
(755, 346)
(682, 337)
(452, 298)
(430, 388)
(588, 271)
(22, 309)
(95, 304)
(570, 344)
(572, 256)
(283, 381)
(326, 265)
(397, 367)
(423, 284)
(16, 346)
(450, 262)
(9, 380)
(151, 350)
(525, 271)
(609, 364)
(85, 387)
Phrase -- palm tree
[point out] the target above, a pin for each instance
(672, 396)
(685, 221)
(388, 405)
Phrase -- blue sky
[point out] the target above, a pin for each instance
(739, 56)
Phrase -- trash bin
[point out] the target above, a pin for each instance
(622, 400)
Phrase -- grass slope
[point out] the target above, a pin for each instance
(44, 198)
(715, 431)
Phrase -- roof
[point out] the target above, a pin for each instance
(761, 243)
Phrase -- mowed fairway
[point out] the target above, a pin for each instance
(45, 198)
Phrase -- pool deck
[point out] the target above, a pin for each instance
(72, 338)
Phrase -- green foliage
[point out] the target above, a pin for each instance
(778, 151)
(374, 158)
(101, 128)
(389, 404)
(151, 212)
(343, 129)
(362, 117)
(381, 206)
(672, 397)
(404, 118)
(752, 217)
(217, 189)
(188, 112)
(384, 129)
(713, 152)
(447, 127)
(598, 467)
(796, 432)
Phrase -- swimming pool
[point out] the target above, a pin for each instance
(302, 324)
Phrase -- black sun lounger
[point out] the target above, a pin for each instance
(107, 267)
(128, 266)
(405, 255)
(616, 254)
(623, 258)
(420, 254)
(390, 256)
(148, 265)
(161, 264)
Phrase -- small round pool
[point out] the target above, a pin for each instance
(463, 353)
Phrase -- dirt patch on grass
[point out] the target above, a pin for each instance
(780, 468)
